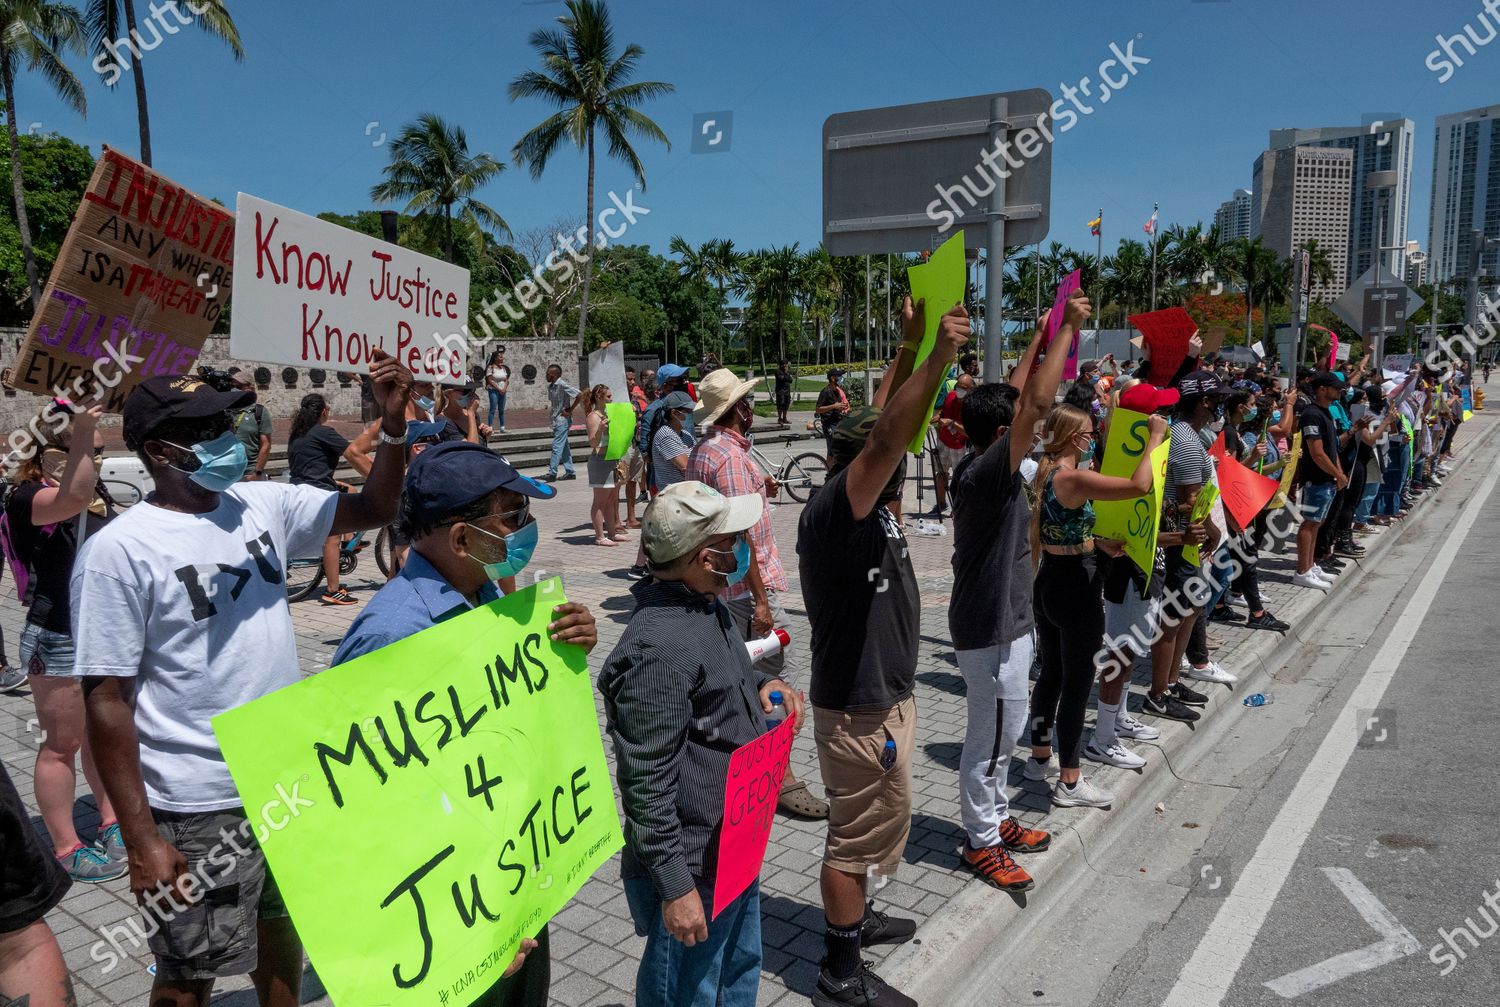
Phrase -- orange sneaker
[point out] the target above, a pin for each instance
(1019, 839)
(996, 867)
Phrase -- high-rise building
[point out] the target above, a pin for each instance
(1384, 145)
(1465, 192)
(1416, 265)
(1233, 216)
(1301, 194)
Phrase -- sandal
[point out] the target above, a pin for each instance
(796, 799)
(605, 541)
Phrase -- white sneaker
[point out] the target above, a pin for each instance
(1312, 580)
(1038, 772)
(1115, 755)
(1326, 574)
(1082, 795)
(1127, 726)
(1211, 673)
(1235, 600)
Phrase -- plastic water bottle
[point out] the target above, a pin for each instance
(778, 711)
(1260, 699)
(888, 755)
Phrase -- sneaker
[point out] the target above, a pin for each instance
(995, 867)
(11, 679)
(878, 928)
(1082, 794)
(1039, 772)
(1192, 697)
(863, 988)
(1211, 672)
(91, 866)
(1267, 621)
(339, 597)
(636, 573)
(112, 842)
(550, 477)
(1349, 548)
(1127, 726)
(1115, 755)
(1223, 613)
(1171, 708)
(570, 475)
(1019, 839)
(1312, 580)
(1211, 641)
(1236, 600)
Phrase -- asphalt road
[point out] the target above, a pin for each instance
(1317, 850)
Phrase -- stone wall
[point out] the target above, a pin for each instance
(527, 358)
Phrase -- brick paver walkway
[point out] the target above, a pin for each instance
(594, 947)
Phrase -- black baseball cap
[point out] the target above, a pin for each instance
(1326, 379)
(834, 372)
(159, 400)
(1201, 383)
(450, 476)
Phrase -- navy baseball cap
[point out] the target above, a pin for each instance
(667, 372)
(448, 477)
(1201, 383)
(160, 399)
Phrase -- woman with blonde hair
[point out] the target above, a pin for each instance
(604, 511)
(1067, 595)
(57, 500)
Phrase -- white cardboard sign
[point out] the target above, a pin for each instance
(314, 294)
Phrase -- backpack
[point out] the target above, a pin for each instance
(20, 566)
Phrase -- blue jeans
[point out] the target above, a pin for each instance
(1388, 503)
(497, 407)
(561, 452)
(1366, 503)
(723, 971)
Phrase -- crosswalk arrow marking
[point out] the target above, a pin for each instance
(1396, 942)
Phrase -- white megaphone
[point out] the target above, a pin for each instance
(767, 645)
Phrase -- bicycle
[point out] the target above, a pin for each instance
(304, 575)
(800, 475)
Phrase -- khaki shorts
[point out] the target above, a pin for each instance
(632, 467)
(869, 806)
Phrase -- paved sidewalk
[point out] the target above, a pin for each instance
(595, 951)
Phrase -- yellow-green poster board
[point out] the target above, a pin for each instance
(940, 282)
(621, 417)
(1202, 507)
(1133, 522)
(452, 796)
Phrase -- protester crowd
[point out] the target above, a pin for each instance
(132, 644)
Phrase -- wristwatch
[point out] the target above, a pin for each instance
(386, 438)
(260, 473)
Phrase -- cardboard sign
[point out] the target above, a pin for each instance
(452, 796)
(314, 294)
(751, 790)
(1167, 333)
(140, 279)
(1202, 507)
(621, 429)
(1258, 349)
(1133, 522)
(940, 283)
(607, 367)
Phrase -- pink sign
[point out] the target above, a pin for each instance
(750, 793)
(1065, 289)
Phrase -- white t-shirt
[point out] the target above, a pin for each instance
(193, 607)
(498, 375)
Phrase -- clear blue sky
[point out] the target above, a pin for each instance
(289, 123)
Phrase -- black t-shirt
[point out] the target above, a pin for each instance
(783, 383)
(831, 395)
(313, 457)
(862, 600)
(991, 602)
(49, 551)
(1317, 425)
(31, 879)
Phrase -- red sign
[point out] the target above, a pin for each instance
(750, 793)
(1166, 333)
(1245, 493)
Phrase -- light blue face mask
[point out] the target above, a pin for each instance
(741, 553)
(519, 545)
(425, 403)
(1276, 416)
(1254, 412)
(221, 462)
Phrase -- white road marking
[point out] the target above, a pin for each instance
(1208, 974)
(1396, 942)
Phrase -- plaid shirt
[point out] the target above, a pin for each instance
(722, 460)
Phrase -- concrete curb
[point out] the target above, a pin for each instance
(939, 969)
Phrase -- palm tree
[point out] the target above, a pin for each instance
(773, 275)
(31, 34)
(1319, 264)
(111, 21)
(431, 168)
(722, 266)
(589, 84)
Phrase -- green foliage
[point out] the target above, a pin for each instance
(55, 171)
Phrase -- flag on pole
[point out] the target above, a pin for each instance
(1095, 224)
(1150, 226)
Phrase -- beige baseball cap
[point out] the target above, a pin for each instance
(685, 515)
